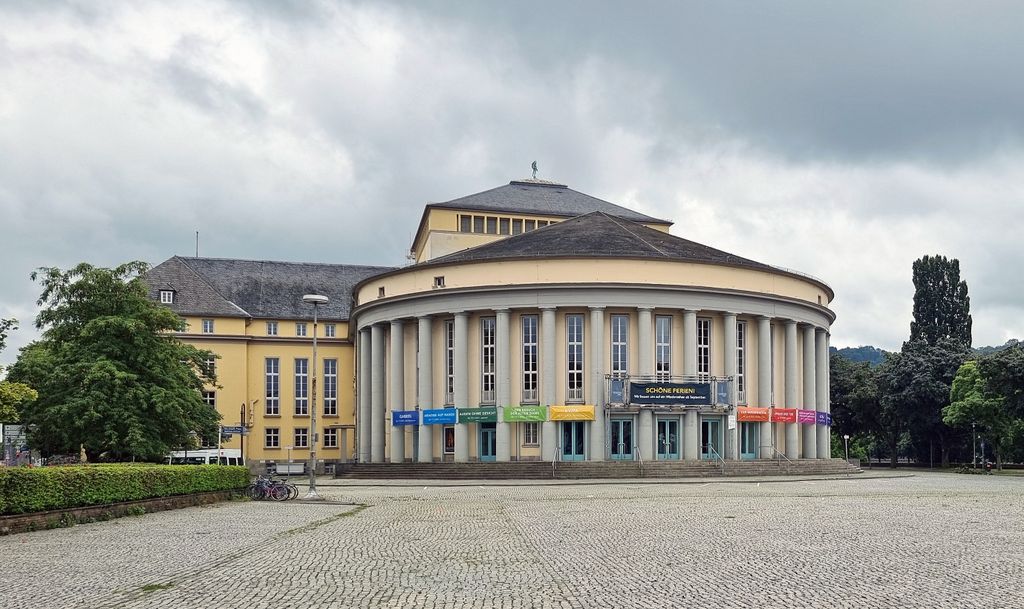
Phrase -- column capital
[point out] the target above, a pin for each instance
(397, 322)
(690, 310)
(424, 317)
(645, 308)
(790, 322)
(547, 308)
(767, 318)
(460, 313)
(729, 313)
(503, 310)
(596, 308)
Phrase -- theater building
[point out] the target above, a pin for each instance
(536, 323)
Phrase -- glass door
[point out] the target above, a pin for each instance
(488, 441)
(749, 440)
(668, 439)
(622, 439)
(711, 438)
(573, 434)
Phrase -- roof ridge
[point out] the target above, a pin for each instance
(184, 262)
(637, 235)
(365, 266)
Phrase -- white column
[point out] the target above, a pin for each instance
(503, 372)
(645, 351)
(764, 382)
(377, 393)
(461, 383)
(731, 435)
(810, 435)
(426, 388)
(691, 431)
(791, 390)
(823, 442)
(396, 397)
(364, 415)
(597, 433)
(549, 430)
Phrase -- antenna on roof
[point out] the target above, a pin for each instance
(534, 166)
(197, 244)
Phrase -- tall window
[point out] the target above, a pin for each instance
(663, 347)
(301, 437)
(207, 326)
(271, 328)
(449, 362)
(330, 330)
(330, 387)
(530, 434)
(487, 360)
(301, 386)
(331, 437)
(273, 385)
(703, 347)
(272, 437)
(210, 367)
(574, 357)
(300, 328)
(741, 362)
(620, 345)
(529, 358)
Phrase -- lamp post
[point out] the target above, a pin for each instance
(974, 447)
(316, 300)
(846, 446)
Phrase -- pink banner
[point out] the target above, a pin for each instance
(806, 417)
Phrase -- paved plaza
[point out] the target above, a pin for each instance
(932, 540)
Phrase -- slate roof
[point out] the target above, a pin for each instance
(541, 197)
(257, 288)
(600, 235)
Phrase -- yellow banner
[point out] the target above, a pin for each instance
(575, 412)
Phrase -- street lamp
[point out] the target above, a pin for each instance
(974, 446)
(846, 445)
(316, 300)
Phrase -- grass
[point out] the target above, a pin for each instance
(148, 588)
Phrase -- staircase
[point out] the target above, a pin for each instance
(591, 470)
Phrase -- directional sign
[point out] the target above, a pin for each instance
(232, 429)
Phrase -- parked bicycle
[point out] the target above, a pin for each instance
(265, 488)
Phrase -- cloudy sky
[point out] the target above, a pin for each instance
(841, 140)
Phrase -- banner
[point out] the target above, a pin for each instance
(440, 416)
(617, 391)
(822, 418)
(525, 414)
(783, 415)
(405, 417)
(754, 415)
(828, 418)
(478, 415)
(722, 392)
(575, 412)
(806, 417)
(691, 394)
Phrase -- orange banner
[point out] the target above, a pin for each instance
(753, 415)
(783, 415)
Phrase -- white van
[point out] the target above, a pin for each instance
(206, 456)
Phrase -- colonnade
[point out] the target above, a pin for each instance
(804, 441)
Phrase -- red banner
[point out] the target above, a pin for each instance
(783, 415)
(753, 415)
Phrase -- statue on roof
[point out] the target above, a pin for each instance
(534, 166)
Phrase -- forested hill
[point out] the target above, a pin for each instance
(995, 349)
(874, 355)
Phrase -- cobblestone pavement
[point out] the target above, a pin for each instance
(933, 540)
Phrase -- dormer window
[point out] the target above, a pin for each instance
(380, 292)
(166, 296)
(439, 281)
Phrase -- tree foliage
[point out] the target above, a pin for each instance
(109, 376)
(13, 396)
(942, 308)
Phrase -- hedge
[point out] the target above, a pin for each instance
(36, 489)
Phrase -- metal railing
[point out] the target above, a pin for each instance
(777, 454)
(640, 458)
(710, 449)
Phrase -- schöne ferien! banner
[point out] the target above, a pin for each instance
(689, 394)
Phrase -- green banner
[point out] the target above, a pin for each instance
(525, 414)
(478, 415)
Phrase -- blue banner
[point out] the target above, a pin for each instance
(405, 417)
(440, 416)
(690, 394)
(828, 419)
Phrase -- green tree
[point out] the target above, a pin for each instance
(942, 308)
(13, 396)
(110, 377)
(971, 403)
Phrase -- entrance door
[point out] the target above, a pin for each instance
(573, 441)
(749, 440)
(488, 441)
(711, 438)
(668, 439)
(622, 439)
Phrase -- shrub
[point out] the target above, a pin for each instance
(24, 489)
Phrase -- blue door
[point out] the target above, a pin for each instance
(711, 438)
(668, 439)
(750, 435)
(488, 441)
(622, 439)
(573, 441)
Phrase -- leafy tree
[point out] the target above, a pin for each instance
(13, 395)
(110, 377)
(971, 403)
(942, 308)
